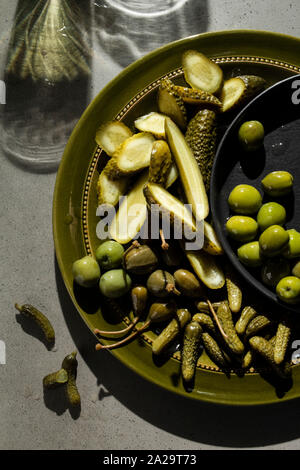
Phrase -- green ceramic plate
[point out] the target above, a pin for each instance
(131, 94)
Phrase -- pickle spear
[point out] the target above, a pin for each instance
(201, 73)
(132, 212)
(169, 206)
(211, 242)
(189, 171)
(206, 268)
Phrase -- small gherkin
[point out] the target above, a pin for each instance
(201, 136)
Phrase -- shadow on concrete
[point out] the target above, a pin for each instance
(224, 426)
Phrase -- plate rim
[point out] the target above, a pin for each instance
(80, 124)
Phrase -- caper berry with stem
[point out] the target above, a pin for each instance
(161, 284)
(139, 259)
(188, 284)
(139, 296)
(158, 312)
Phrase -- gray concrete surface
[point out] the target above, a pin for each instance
(119, 409)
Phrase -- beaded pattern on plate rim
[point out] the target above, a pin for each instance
(120, 116)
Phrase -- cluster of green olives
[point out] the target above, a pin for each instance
(115, 281)
(265, 243)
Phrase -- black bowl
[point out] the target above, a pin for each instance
(279, 111)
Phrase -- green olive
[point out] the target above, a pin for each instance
(273, 240)
(86, 271)
(109, 254)
(245, 199)
(296, 269)
(242, 228)
(269, 214)
(277, 183)
(251, 135)
(115, 283)
(288, 289)
(250, 255)
(293, 248)
(273, 270)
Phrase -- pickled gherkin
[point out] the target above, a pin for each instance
(70, 364)
(237, 91)
(171, 331)
(160, 163)
(232, 340)
(203, 306)
(248, 313)
(55, 379)
(171, 103)
(41, 320)
(201, 136)
(190, 350)
(282, 338)
(205, 321)
(200, 97)
(234, 291)
(265, 349)
(259, 323)
(247, 360)
(213, 350)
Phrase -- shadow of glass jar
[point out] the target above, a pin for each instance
(128, 29)
(47, 77)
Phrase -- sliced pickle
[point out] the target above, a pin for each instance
(131, 214)
(206, 268)
(131, 156)
(211, 242)
(170, 206)
(111, 135)
(109, 191)
(189, 171)
(199, 97)
(238, 91)
(201, 73)
(153, 123)
(160, 163)
(171, 103)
